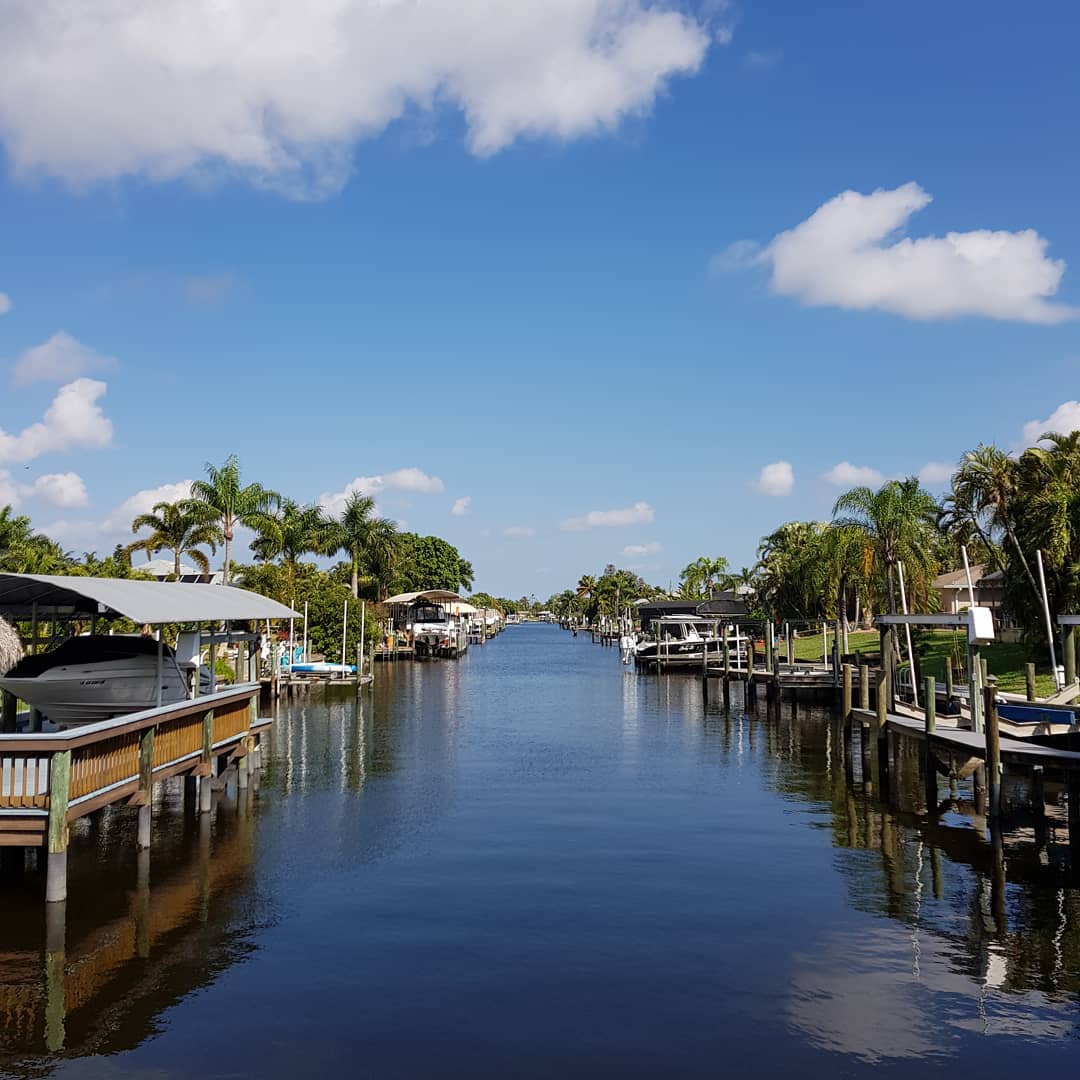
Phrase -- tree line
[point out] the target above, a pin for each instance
(378, 559)
(1010, 512)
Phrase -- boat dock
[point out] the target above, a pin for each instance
(49, 779)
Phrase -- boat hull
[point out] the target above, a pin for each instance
(85, 693)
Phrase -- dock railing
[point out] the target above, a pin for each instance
(48, 779)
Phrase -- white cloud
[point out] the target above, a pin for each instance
(776, 479)
(73, 419)
(461, 506)
(60, 489)
(640, 513)
(412, 480)
(845, 255)
(9, 490)
(936, 473)
(847, 475)
(142, 502)
(517, 532)
(5, 303)
(633, 550)
(1064, 419)
(60, 359)
(280, 93)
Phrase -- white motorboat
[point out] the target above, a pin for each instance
(97, 677)
(679, 642)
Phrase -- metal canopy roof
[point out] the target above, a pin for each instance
(140, 601)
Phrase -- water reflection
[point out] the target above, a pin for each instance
(534, 861)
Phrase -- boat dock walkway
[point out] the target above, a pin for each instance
(49, 779)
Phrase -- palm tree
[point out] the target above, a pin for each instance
(369, 541)
(697, 579)
(896, 524)
(182, 528)
(289, 533)
(232, 503)
(986, 483)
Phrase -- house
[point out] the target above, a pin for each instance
(952, 588)
(165, 569)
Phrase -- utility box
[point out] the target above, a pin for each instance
(188, 648)
(980, 626)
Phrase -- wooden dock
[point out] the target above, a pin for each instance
(47, 780)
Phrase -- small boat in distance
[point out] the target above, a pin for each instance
(96, 677)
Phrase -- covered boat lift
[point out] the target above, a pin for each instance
(48, 779)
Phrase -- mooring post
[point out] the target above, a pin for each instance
(929, 726)
(1068, 653)
(993, 750)
(146, 787)
(845, 701)
(55, 964)
(864, 687)
(59, 787)
(206, 780)
(727, 672)
(883, 695)
(1029, 679)
(949, 689)
(1038, 804)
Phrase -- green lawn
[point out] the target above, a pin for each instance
(1005, 661)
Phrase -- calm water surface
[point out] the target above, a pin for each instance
(534, 862)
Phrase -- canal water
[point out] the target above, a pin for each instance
(534, 862)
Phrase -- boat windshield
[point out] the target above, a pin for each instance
(429, 613)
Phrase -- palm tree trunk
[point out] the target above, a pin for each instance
(225, 579)
(355, 577)
(176, 563)
(889, 584)
(1024, 563)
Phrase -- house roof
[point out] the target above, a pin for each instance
(142, 601)
(957, 579)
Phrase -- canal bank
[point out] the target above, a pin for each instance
(534, 860)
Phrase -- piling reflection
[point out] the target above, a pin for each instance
(94, 975)
(993, 915)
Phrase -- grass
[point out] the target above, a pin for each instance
(1003, 660)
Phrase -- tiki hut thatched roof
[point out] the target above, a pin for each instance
(10, 647)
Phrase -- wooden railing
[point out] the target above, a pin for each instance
(104, 762)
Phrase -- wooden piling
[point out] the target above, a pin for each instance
(206, 778)
(930, 708)
(845, 701)
(59, 787)
(993, 750)
(1068, 653)
(1029, 679)
(146, 787)
(930, 779)
(864, 687)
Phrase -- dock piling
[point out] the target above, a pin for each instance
(59, 786)
(993, 750)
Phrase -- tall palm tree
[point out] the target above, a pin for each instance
(233, 504)
(986, 484)
(289, 533)
(183, 528)
(370, 542)
(896, 524)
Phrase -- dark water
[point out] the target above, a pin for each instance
(532, 863)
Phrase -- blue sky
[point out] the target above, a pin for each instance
(472, 252)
